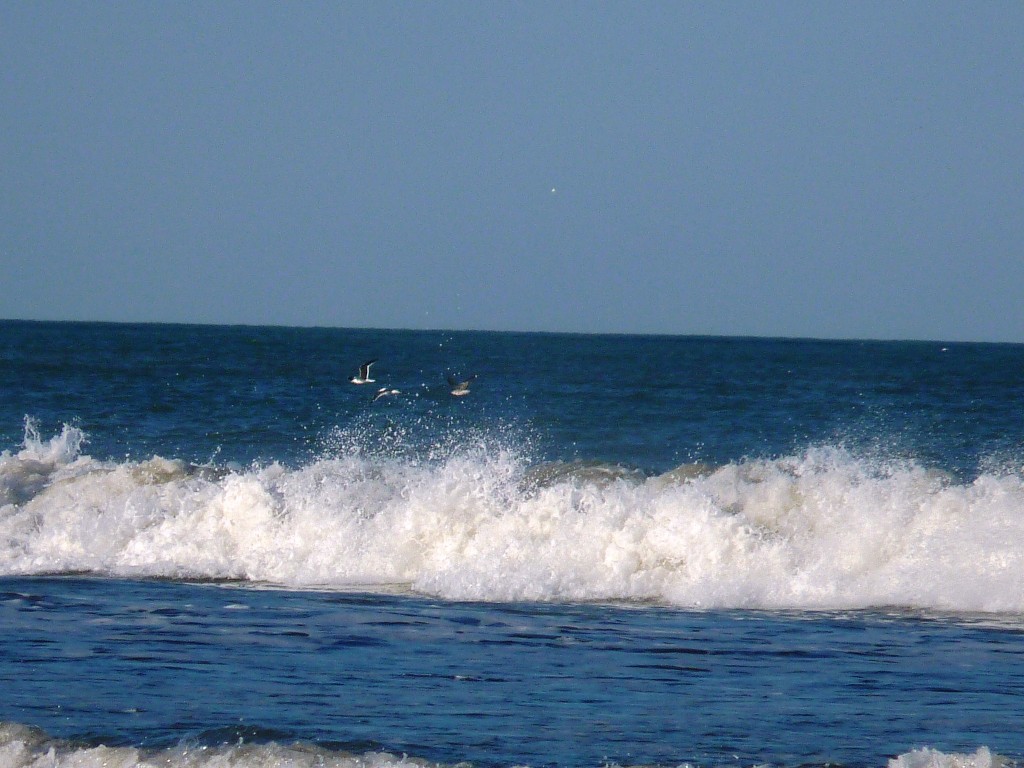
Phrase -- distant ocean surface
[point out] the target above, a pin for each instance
(217, 551)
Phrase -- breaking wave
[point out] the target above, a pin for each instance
(26, 747)
(824, 529)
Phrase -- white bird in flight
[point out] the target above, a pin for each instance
(363, 377)
(385, 392)
(460, 388)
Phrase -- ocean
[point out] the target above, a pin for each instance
(217, 551)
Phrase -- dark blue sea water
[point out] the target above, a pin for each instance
(216, 550)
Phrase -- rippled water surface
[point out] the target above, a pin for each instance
(151, 664)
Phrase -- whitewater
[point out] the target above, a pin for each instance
(820, 530)
(22, 747)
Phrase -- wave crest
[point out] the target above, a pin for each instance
(820, 530)
(27, 747)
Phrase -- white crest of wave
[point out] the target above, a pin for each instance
(25, 747)
(823, 530)
(931, 758)
(24, 474)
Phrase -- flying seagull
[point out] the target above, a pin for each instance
(384, 392)
(363, 377)
(460, 388)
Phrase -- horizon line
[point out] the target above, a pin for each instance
(397, 329)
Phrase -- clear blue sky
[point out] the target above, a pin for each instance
(824, 169)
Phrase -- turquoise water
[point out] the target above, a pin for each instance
(215, 550)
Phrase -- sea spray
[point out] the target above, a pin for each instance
(821, 530)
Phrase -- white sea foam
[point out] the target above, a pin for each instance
(931, 758)
(24, 747)
(821, 530)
